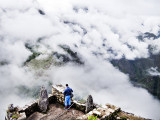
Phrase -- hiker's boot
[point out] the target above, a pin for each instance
(68, 106)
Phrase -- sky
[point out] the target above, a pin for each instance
(98, 30)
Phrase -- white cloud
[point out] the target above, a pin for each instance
(108, 28)
(16, 4)
(107, 85)
(153, 71)
(26, 26)
(13, 52)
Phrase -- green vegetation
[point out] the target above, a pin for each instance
(152, 83)
(55, 58)
(14, 116)
(137, 70)
(31, 57)
(123, 118)
(42, 63)
(92, 118)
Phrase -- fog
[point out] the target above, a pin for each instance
(98, 30)
(153, 71)
(107, 85)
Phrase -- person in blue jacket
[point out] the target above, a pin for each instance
(67, 93)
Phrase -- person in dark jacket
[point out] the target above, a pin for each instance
(67, 93)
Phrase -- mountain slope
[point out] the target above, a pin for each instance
(138, 71)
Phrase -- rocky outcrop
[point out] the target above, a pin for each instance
(30, 111)
(89, 104)
(43, 100)
(107, 112)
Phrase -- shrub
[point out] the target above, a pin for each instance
(92, 118)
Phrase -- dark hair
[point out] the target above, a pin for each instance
(66, 85)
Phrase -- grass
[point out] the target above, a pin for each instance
(15, 116)
(92, 118)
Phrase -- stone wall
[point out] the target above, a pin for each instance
(57, 91)
(58, 97)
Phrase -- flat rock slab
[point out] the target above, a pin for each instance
(35, 116)
(56, 111)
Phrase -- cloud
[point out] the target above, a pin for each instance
(153, 71)
(99, 30)
(15, 4)
(13, 52)
(107, 85)
(26, 26)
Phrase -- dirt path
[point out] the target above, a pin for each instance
(55, 113)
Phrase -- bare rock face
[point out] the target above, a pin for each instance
(89, 104)
(43, 99)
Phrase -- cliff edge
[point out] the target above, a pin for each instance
(50, 107)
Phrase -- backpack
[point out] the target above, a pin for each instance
(71, 95)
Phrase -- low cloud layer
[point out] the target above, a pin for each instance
(98, 30)
(107, 85)
(153, 72)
